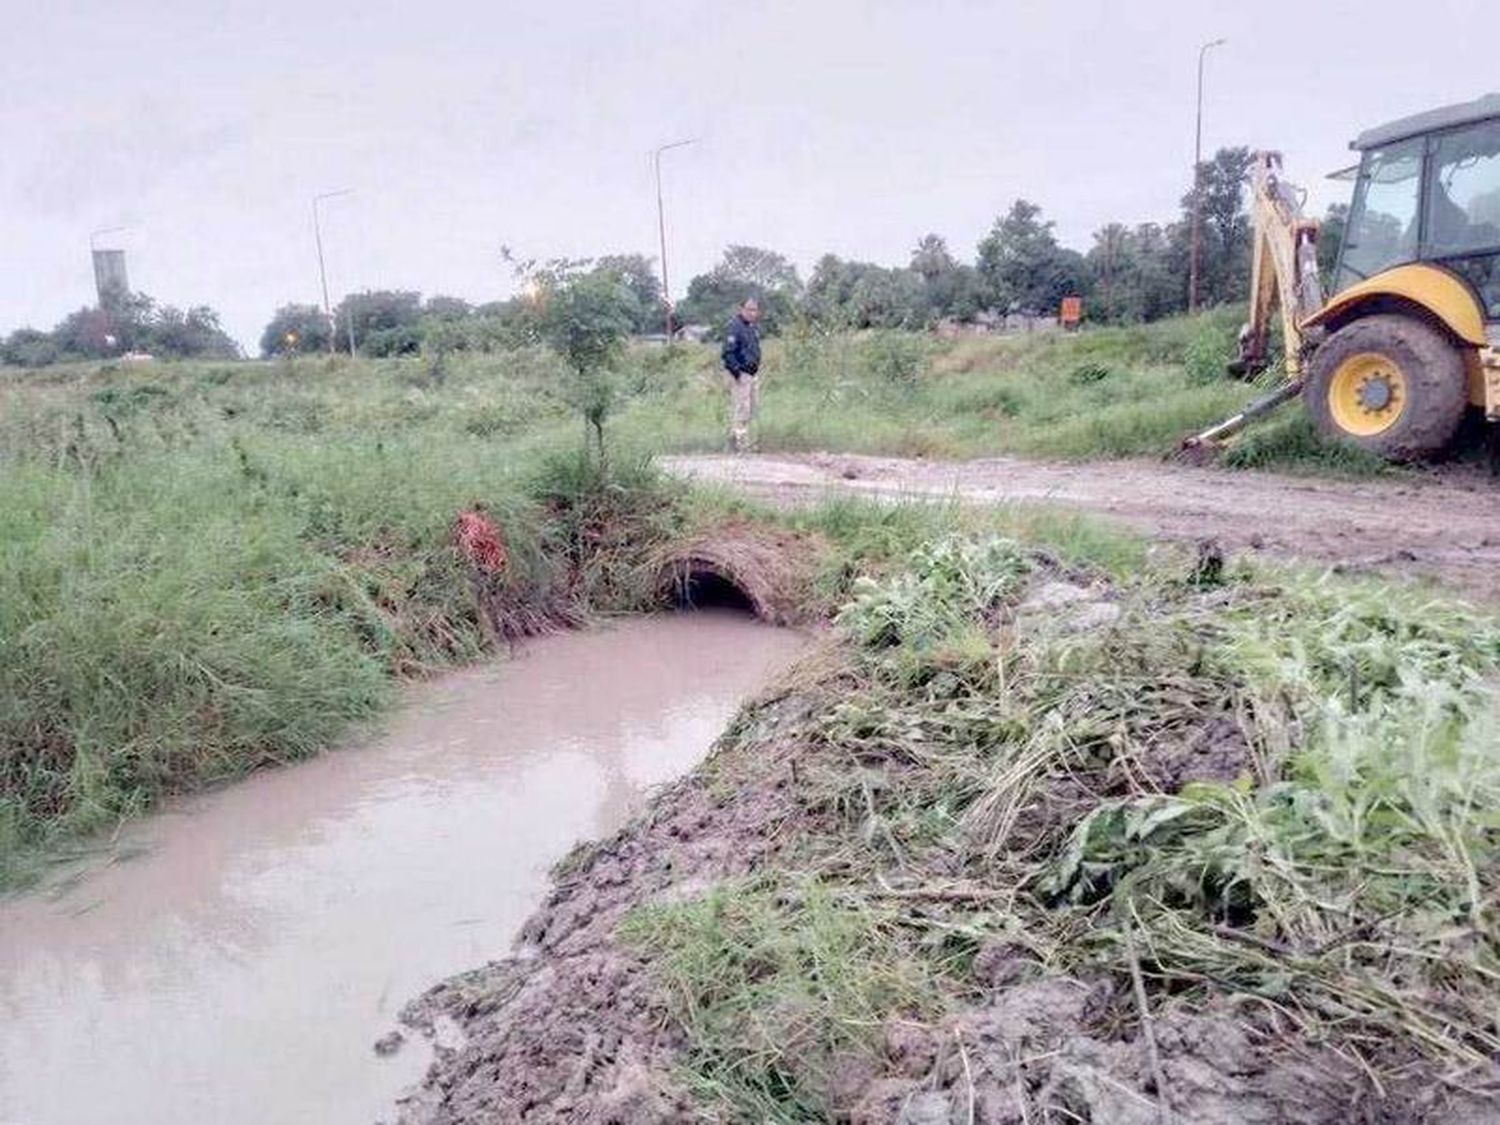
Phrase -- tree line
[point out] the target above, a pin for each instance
(122, 323)
(1127, 274)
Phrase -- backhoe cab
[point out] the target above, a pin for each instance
(1411, 336)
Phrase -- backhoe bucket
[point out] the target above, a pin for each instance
(1250, 359)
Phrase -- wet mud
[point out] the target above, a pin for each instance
(574, 1025)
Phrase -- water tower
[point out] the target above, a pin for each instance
(110, 277)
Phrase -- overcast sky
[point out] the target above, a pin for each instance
(844, 127)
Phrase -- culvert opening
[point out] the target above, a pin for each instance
(760, 570)
(703, 588)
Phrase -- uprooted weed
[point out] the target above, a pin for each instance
(1283, 792)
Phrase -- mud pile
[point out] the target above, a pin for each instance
(572, 1027)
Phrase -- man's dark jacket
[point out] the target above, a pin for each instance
(741, 351)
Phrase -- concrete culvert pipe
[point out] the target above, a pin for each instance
(701, 585)
(763, 570)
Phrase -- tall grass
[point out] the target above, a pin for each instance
(207, 569)
(1105, 392)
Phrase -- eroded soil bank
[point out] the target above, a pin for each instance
(239, 958)
(1021, 844)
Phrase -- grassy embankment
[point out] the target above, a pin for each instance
(1272, 800)
(1108, 392)
(209, 568)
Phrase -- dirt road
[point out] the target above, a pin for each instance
(1448, 529)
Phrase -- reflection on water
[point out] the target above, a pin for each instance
(240, 966)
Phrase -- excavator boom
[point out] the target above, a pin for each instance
(1284, 273)
(1284, 277)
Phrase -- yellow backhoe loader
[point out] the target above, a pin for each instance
(1410, 338)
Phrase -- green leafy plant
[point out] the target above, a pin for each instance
(585, 318)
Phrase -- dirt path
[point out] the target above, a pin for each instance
(1446, 529)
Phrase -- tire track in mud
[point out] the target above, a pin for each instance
(1445, 528)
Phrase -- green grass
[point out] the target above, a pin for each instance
(1103, 392)
(778, 982)
(205, 569)
(209, 568)
(213, 566)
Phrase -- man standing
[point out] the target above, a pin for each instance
(741, 355)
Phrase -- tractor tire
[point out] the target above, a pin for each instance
(1389, 384)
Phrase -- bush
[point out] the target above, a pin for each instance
(26, 347)
(1086, 373)
(946, 583)
(1207, 354)
(585, 320)
(296, 330)
(898, 358)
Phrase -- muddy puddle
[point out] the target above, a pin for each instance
(239, 965)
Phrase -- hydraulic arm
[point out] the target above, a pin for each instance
(1284, 270)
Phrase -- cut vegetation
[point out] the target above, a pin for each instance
(1026, 841)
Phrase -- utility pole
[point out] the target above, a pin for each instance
(1109, 270)
(323, 270)
(661, 226)
(1197, 246)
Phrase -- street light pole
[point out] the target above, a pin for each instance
(323, 270)
(661, 226)
(1197, 244)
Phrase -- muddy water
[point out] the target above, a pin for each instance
(240, 966)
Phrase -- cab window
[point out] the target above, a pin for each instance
(1383, 219)
(1463, 197)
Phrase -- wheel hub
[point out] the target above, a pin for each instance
(1367, 394)
(1376, 393)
